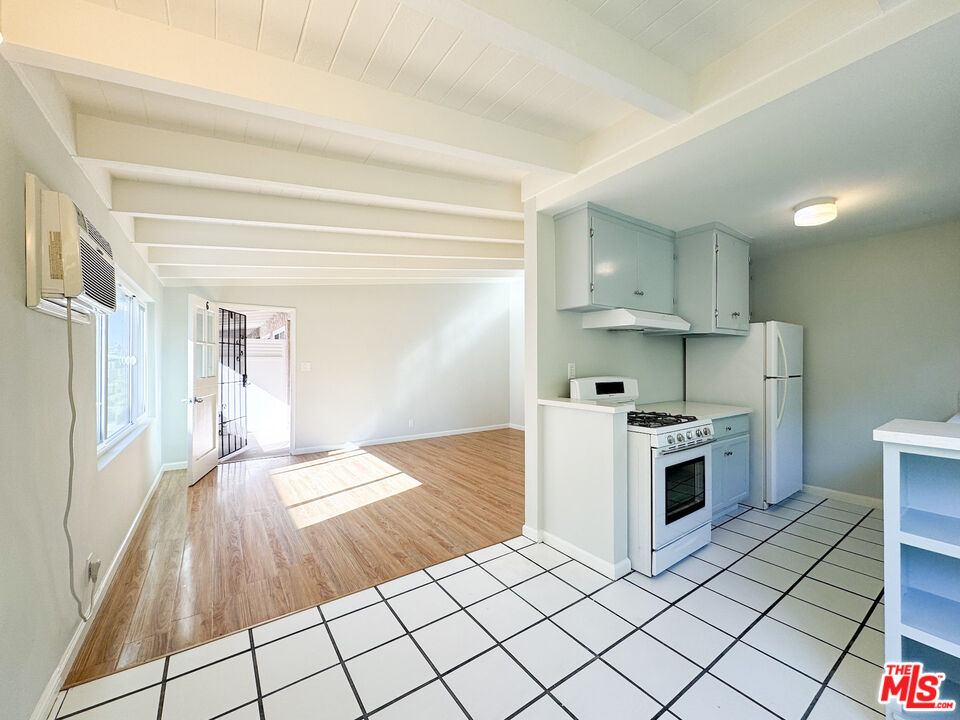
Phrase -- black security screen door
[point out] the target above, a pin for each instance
(233, 382)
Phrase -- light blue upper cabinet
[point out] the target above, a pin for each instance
(608, 260)
(733, 282)
(713, 280)
(616, 261)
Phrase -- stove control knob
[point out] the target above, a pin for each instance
(679, 437)
(689, 435)
(699, 433)
(706, 432)
(669, 439)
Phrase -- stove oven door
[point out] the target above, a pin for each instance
(682, 493)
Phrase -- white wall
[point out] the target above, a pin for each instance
(37, 614)
(881, 319)
(381, 355)
(656, 362)
(516, 353)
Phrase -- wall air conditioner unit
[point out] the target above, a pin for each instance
(66, 256)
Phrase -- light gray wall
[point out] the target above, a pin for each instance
(881, 319)
(37, 614)
(380, 355)
(656, 362)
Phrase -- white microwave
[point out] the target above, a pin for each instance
(606, 388)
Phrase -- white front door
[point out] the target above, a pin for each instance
(202, 387)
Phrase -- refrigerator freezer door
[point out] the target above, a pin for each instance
(783, 418)
(783, 349)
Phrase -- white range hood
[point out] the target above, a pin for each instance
(624, 319)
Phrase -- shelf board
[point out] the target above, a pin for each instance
(930, 531)
(931, 619)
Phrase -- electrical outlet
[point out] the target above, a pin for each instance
(306, 367)
(93, 569)
(410, 423)
(571, 371)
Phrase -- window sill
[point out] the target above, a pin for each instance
(109, 450)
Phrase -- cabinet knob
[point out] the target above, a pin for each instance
(638, 292)
(736, 314)
(728, 453)
(729, 428)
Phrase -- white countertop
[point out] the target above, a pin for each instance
(708, 411)
(921, 433)
(591, 405)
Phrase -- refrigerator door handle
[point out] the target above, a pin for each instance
(783, 354)
(783, 402)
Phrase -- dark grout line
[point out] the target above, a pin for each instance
(426, 657)
(163, 686)
(753, 624)
(256, 673)
(843, 655)
(159, 684)
(346, 672)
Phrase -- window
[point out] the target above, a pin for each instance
(121, 372)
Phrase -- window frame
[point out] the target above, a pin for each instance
(137, 380)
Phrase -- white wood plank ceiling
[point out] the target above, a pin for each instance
(340, 141)
(390, 45)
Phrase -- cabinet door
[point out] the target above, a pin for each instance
(718, 478)
(615, 245)
(736, 469)
(733, 282)
(731, 471)
(657, 273)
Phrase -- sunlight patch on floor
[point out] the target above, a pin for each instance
(318, 490)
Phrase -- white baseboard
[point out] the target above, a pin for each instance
(49, 696)
(173, 466)
(396, 439)
(867, 500)
(531, 533)
(604, 567)
(514, 426)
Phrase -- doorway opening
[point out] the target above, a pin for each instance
(255, 382)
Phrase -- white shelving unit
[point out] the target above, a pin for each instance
(921, 500)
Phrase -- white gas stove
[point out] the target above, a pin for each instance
(669, 467)
(671, 432)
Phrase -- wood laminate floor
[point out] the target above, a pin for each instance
(260, 539)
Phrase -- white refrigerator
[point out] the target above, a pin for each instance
(762, 371)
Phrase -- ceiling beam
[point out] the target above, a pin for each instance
(85, 38)
(196, 257)
(794, 53)
(221, 272)
(569, 41)
(130, 147)
(181, 202)
(173, 234)
(287, 282)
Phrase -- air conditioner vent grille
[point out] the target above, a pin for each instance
(97, 237)
(98, 277)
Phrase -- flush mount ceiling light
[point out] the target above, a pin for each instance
(815, 212)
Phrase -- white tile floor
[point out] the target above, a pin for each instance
(780, 617)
